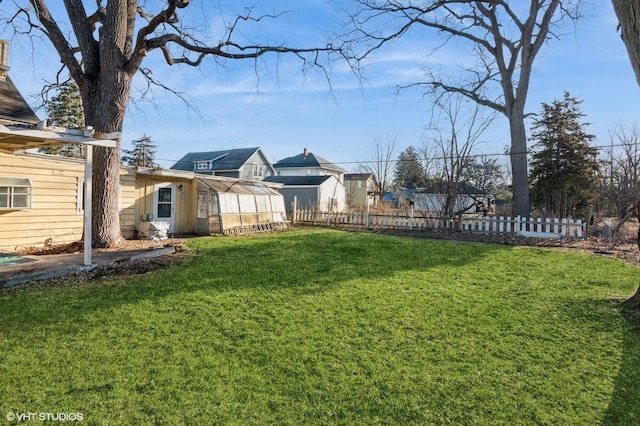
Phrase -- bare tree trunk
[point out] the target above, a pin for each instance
(638, 216)
(105, 112)
(628, 12)
(632, 305)
(519, 166)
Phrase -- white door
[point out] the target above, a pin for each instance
(164, 202)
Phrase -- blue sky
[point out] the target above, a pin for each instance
(283, 110)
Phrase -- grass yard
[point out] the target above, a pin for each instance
(329, 327)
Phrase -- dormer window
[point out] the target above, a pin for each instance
(202, 165)
(258, 170)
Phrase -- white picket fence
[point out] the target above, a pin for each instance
(538, 228)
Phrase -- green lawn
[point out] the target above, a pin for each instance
(330, 327)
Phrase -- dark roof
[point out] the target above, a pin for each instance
(229, 159)
(13, 106)
(358, 176)
(309, 160)
(298, 180)
(398, 193)
(441, 188)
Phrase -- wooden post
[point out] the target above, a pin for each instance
(88, 173)
(411, 218)
(294, 216)
(367, 217)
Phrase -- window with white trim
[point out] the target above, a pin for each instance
(15, 193)
(202, 165)
(258, 170)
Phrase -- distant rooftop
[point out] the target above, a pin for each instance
(224, 160)
(13, 106)
(306, 160)
(357, 176)
(299, 180)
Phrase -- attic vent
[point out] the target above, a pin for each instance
(4, 59)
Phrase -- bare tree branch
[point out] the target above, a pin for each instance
(504, 36)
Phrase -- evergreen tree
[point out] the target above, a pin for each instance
(409, 172)
(564, 169)
(65, 110)
(142, 154)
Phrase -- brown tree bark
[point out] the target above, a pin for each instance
(638, 216)
(628, 12)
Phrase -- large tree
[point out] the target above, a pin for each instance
(628, 12)
(504, 36)
(564, 169)
(104, 48)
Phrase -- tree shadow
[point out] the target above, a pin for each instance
(624, 406)
(307, 262)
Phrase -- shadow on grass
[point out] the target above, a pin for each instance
(594, 317)
(624, 407)
(309, 261)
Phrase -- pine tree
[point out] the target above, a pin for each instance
(65, 110)
(409, 172)
(142, 154)
(564, 169)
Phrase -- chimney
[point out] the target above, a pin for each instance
(304, 152)
(4, 59)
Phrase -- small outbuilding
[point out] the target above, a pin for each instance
(204, 205)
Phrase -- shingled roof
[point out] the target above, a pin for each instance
(306, 160)
(226, 160)
(298, 180)
(13, 106)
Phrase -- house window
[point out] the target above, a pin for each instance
(359, 184)
(15, 193)
(202, 165)
(258, 170)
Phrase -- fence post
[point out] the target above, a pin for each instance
(517, 225)
(580, 225)
(411, 218)
(294, 217)
(367, 217)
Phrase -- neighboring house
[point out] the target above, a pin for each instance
(399, 197)
(307, 164)
(324, 193)
(244, 163)
(359, 189)
(312, 181)
(468, 199)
